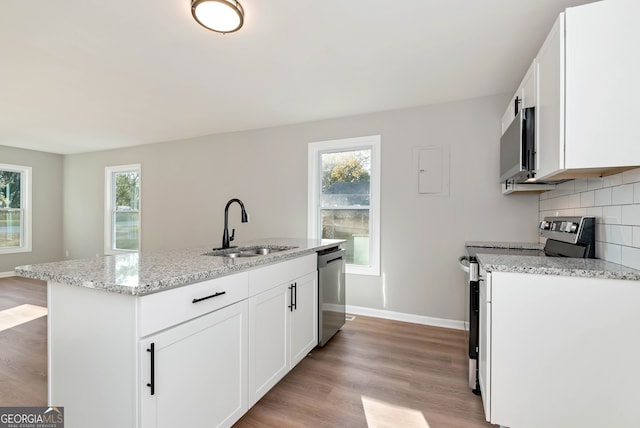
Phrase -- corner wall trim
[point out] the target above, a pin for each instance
(399, 316)
(7, 274)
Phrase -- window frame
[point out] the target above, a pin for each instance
(26, 223)
(314, 217)
(109, 200)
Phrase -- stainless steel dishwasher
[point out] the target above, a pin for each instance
(331, 296)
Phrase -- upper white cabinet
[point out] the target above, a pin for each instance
(587, 71)
(524, 97)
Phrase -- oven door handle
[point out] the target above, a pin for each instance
(464, 266)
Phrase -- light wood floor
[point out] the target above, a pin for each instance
(373, 373)
(23, 348)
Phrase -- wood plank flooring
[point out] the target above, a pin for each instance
(23, 348)
(373, 373)
(404, 375)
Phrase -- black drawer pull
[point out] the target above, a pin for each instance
(152, 384)
(219, 293)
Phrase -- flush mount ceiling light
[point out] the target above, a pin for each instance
(222, 16)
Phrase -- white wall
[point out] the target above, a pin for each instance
(615, 203)
(185, 185)
(47, 206)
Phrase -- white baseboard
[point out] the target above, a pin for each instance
(399, 316)
(7, 274)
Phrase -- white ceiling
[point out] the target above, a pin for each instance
(86, 75)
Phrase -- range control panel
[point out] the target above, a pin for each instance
(567, 229)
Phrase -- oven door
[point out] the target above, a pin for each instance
(472, 316)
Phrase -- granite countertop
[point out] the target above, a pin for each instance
(143, 273)
(541, 265)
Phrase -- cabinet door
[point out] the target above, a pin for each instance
(484, 345)
(304, 317)
(602, 90)
(268, 341)
(550, 108)
(199, 372)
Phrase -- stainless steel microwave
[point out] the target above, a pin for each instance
(517, 148)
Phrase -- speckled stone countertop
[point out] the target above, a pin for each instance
(541, 265)
(143, 273)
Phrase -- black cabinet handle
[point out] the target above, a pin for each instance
(152, 384)
(516, 104)
(220, 293)
(291, 304)
(295, 298)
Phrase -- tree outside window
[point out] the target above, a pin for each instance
(122, 232)
(344, 198)
(15, 229)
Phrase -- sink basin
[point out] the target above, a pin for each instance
(254, 251)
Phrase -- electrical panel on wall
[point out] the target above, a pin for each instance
(431, 164)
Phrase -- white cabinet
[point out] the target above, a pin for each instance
(525, 97)
(196, 373)
(587, 92)
(304, 317)
(484, 345)
(559, 351)
(191, 344)
(269, 353)
(283, 321)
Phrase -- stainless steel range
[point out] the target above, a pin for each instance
(565, 237)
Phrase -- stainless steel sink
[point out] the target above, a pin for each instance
(253, 251)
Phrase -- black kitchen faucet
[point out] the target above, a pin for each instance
(226, 239)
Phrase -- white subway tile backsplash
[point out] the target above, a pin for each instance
(587, 199)
(631, 176)
(611, 214)
(619, 234)
(630, 215)
(612, 252)
(580, 185)
(636, 193)
(636, 236)
(595, 212)
(615, 203)
(622, 194)
(574, 200)
(595, 183)
(602, 197)
(612, 180)
(630, 257)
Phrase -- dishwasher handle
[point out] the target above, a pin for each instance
(325, 259)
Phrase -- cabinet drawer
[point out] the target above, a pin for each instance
(270, 276)
(168, 308)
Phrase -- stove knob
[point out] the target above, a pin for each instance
(574, 227)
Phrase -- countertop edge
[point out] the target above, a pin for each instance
(104, 277)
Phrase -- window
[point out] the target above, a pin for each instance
(122, 209)
(15, 209)
(344, 198)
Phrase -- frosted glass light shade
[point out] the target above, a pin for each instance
(222, 16)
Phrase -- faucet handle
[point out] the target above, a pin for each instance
(233, 234)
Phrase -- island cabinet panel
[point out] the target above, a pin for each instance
(283, 321)
(195, 374)
(562, 351)
(91, 356)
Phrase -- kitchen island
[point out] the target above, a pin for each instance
(170, 338)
